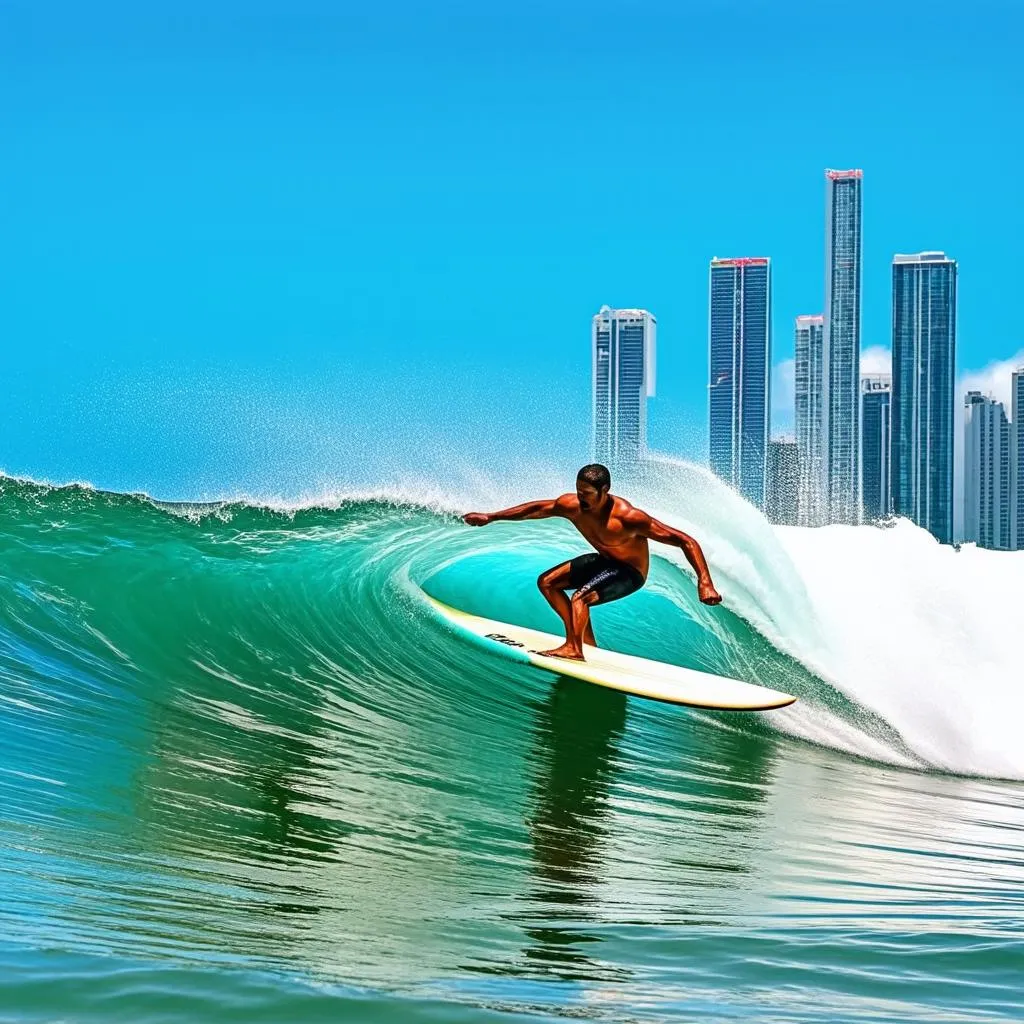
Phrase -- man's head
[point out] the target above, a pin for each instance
(592, 483)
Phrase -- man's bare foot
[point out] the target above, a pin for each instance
(565, 651)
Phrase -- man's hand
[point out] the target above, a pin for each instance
(476, 518)
(648, 526)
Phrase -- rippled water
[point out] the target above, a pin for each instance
(245, 776)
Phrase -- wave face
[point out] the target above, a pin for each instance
(232, 735)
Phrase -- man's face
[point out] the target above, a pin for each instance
(589, 496)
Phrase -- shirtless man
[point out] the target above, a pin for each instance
(618, 567)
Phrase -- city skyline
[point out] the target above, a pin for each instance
(901, 434)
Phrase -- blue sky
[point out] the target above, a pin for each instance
(275, 246)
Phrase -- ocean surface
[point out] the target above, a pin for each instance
(246, 775)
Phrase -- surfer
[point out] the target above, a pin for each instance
(618, 567)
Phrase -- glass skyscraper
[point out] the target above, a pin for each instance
(809, 402)
(1017, 457)
(923, 361)
(739, 361)
(986, 472)
(623, 356)
(875, 393)
(783, 503)
(843, 258)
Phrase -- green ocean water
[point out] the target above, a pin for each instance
(245, 776)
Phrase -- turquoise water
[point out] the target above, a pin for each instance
(245, 776)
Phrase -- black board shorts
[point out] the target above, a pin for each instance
(608, 577)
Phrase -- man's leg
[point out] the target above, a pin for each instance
(609, 584)
(579, 610)
(581, 628)
(553, 584)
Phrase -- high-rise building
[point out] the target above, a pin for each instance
(986, 472)
(875, 392)
(809, 408)
(739, 361)
(843, 258)
(623, 379)
(1017, 457)
(923, 363)
(783, 504)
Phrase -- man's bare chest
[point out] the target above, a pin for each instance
(613, 532)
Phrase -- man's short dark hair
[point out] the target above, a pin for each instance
(595, 474)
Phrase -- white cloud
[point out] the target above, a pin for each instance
(877, 359)
(993, 380)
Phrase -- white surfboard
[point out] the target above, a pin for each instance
(641, 677)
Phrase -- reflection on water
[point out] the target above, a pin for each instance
(657, 833)
(576, 733)
(577, 730)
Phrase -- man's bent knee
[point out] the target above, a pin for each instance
(552, 579)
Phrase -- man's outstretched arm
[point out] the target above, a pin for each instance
(655, 530)
(541, 509)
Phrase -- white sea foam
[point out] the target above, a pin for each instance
(927, 639)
